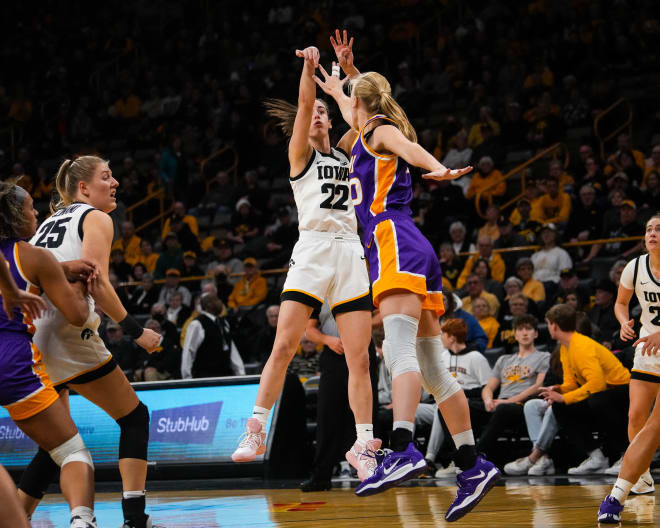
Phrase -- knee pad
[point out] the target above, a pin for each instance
(435, 375)
(399, 344)
(134, 437)
(39, 474)
(73, 450)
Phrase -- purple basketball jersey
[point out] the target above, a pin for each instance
(20, 322)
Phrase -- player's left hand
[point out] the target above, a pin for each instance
(446, 174)
(651, 344)
(331, 84)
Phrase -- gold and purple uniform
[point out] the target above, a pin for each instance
(399, 256)
(25, 388)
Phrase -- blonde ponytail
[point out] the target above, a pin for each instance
(70, 173)
(376, 93)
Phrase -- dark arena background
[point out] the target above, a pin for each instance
(553, 102)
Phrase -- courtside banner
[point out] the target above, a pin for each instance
(197, 421)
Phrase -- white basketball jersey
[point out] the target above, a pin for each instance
(323, 194)
(647, 289)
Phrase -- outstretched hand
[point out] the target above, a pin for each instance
(310, 54)
(331, 84)
(446, 174)
(343, 50)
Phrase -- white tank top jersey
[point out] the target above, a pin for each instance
(62, 234)
(647, 289)
(323, 194)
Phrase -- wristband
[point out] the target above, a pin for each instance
(131, 327)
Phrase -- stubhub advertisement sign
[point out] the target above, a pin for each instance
(198, 424)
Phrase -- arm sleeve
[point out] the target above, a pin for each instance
(194, 338)
(497, 369)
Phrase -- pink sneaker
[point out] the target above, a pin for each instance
(253, 442)
(363, 458)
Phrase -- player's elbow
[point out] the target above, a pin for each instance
(78, 314)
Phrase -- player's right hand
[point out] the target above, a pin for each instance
(627, 333)
(310, 54)
(149, 340)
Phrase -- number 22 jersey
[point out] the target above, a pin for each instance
(323, 194)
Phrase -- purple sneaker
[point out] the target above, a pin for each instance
(393, 468)
(473, 484)
(610, 511)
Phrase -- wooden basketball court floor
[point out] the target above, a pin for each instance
(515, 502)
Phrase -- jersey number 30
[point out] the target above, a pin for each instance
(335, 189)
(52, 233)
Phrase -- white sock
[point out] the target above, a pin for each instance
(403, 425)
(365, 432)
(464, 438)
(133, 494)
(261, 414)
(621, 490)
(85, 513)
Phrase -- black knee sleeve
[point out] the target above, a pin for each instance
(134, 438)
(39, 474)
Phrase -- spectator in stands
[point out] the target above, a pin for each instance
(451, 263)
(651, 195)
(475, 290)
(593, 395)
(173, 285)
(624, 144)
(171, 258)
(592, 174)
(144, 296)
(459, 241)
(245, 223)
(147, 256)
(485, 251)
(611, 216)
(532, 288)
(616, 270)
(514, 127)
(490, 228)
(518, 377)
(509, 239)
(305, 362)
(223, 255)
(187, 239)
(476, 336)
(128, 106)
(179, 214)
(138, 271)
(191, 269)
(482, 268)
(263, 341)
(652, 165)
(459, 156)
(547, 127)
(481, 310)
(470, 368)
(550, 259)
(485, 181)
(446, 206)
(159, 313)
(165, 362)
(208, 350)
(602, 314)
(119, 266)
(516, 305)
(124, 350)
(627, 226)
(177, 312)
(250, 290)
(569, 283)
(220, 198)
(128, 243)
(586, 217)
(475, 137)
(521, 217)
(554, 205)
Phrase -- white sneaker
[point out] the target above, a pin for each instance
(253, 442)
(363, 457)
(518, 467)
(594, 463)
(543, 466)
(614, 468)
(644, 485)
(78, 522)
(448, 471)
(344, 471)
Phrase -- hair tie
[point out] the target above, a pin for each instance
(19, 193)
